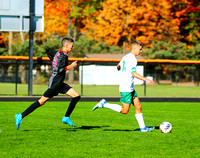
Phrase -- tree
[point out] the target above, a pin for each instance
(64, 17)
(127, 20)
(167, 50)
(179, 51)
(89, 46)
(187, 14)
(56, 15)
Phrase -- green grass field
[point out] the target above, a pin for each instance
(100, 133)
(108, 90)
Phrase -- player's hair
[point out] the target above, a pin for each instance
(66, 40)
(137, 43)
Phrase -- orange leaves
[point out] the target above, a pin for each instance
(187, 15)
(56, 17)
(189, 7)
(127, 20)
(118, 21)
(65, 16)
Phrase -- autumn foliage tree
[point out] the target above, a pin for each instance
(126, 20)
(64, 17)
(120, 22)
(56, 17)
(187, 14)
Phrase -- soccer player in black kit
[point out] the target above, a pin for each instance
(56, 83)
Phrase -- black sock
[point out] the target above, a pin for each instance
(31, 109)
(72, 106)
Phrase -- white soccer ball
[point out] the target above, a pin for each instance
(165, 127)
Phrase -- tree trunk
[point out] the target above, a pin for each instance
(71, 75)
(10, 43)
(22, 37)
(23, 73)
(70, 34)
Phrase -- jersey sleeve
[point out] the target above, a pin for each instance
(133, 70)
(51, 55)
(133, 65)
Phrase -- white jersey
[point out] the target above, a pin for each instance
(128, 65)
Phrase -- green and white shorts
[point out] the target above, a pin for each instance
(127, 97)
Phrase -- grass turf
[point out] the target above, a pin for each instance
(100, 133)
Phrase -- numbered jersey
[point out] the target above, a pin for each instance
(128, 65)
(59, 62)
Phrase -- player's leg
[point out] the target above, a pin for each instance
(104, 104)
(138, 112)
(125, 100)
(49, 93)
(29, 110)
(139, 116)
(34, 106)
(75, 98)
(125, 108)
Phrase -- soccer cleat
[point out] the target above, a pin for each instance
(147, 129)
(67, 120)
(100, 104)
(18, 119)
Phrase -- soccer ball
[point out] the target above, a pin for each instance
(166, 127)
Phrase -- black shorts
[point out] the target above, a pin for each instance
(54, 92)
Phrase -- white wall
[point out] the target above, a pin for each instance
(103, 75)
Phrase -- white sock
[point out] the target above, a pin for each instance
(114, 107)
(140, 120)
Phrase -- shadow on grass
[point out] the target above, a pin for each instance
(69, 128)
(157, 127)
(84, 128)
(126, 130)
(91, 127)
(74, 129)
(121, 130)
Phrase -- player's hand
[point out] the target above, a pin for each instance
(150, 82)
(74, 64)
(118, 67)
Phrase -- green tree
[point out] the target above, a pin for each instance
(194, 53)
(23, 50)
(166, 50)
(90, 46)
(52, 45)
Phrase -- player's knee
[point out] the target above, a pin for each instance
(41, 102)
(77, 98)
(124, 111)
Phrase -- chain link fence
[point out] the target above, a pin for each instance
(96, 73)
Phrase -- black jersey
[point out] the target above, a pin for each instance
(59, 62)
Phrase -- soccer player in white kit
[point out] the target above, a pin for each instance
(127, 69)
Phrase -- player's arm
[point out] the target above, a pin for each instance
(51, 55)
(150, 82)
(73, 64)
